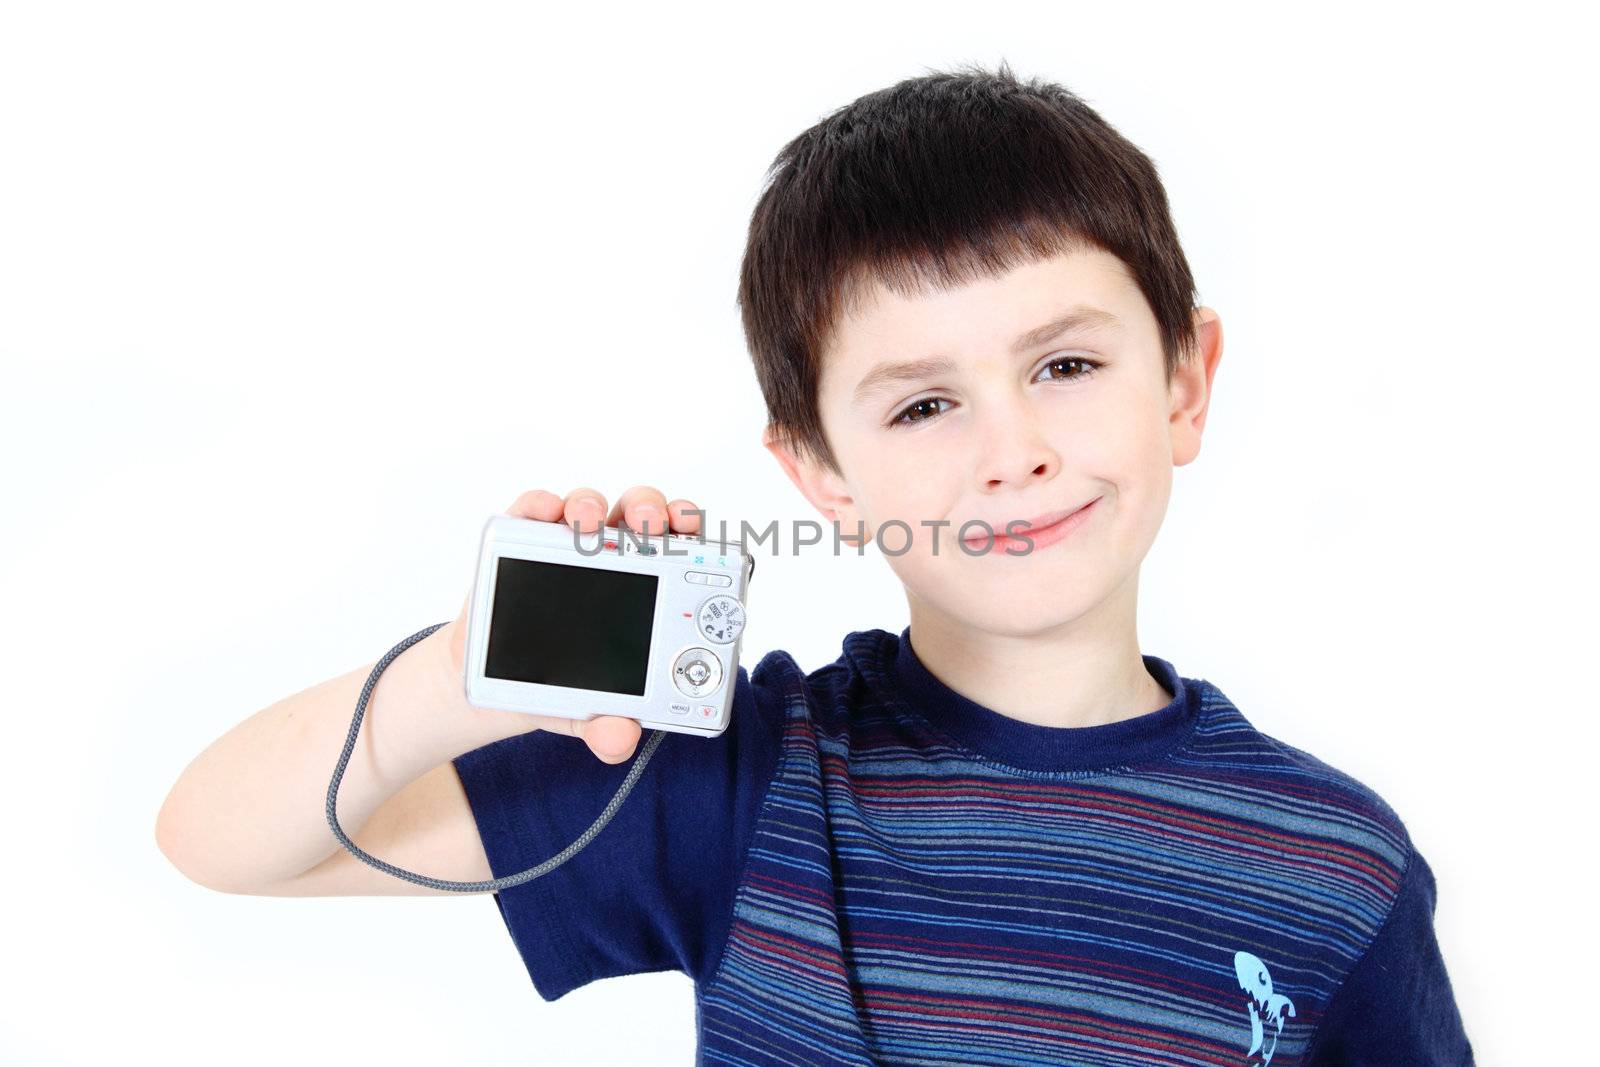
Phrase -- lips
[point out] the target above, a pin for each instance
(1035, 524)
(1040, 526)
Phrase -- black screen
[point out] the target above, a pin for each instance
(581, 627)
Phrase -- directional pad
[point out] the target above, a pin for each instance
(697, 672)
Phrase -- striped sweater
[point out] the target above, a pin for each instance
(869, 868)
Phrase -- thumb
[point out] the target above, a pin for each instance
(611, 738)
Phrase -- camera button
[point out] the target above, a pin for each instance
(697, 672)
(721, 619)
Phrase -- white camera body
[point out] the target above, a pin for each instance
(612, 622)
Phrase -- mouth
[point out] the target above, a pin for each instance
(1041, 530)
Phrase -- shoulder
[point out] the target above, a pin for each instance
(1391, 997)
(1300, 787)
(826, 695)
(1345, 851)
(1354, 866)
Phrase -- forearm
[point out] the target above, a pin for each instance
(251, 809)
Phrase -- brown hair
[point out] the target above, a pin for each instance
(931, 183)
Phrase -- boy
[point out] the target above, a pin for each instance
(1002, 836)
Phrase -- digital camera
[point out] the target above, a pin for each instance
(611, 622)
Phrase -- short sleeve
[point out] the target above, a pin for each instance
(1397, 1006)
(653, 890)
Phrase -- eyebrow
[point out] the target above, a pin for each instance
(885, 375)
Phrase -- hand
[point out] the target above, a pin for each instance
(612, 738)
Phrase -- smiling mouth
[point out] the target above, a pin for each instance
(1037, 527)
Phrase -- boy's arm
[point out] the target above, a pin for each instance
(1397, 1005)
(247, 814)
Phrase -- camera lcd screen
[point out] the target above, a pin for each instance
(580, 627)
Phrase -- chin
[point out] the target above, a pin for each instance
(1020, 612)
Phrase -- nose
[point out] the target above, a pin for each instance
(1014, 452)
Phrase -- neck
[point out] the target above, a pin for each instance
(1087, 671)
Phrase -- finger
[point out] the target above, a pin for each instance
(610, 737)
(585, 509)
(642, 508)
(683, 520)
(538, 504)
(557, 724)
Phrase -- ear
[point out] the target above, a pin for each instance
(1190, 390)
(824, 488)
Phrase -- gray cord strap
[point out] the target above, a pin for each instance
(494, 884)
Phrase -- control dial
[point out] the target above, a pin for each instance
(721, 619)
(696, 672)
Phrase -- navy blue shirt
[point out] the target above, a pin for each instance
(867, 867)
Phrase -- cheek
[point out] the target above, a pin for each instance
(1125, 431)
(1118, 444)
(1138, 461)
(1125, 450)
(896, 479)
(909, 497)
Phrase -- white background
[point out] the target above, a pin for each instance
(293, 296)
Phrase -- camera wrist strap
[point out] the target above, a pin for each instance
(493, 884)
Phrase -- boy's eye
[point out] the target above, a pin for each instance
(920, 407)
(1089, 367)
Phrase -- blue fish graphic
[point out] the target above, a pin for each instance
(1266, 1008)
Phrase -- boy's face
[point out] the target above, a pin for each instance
(1004, 430)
